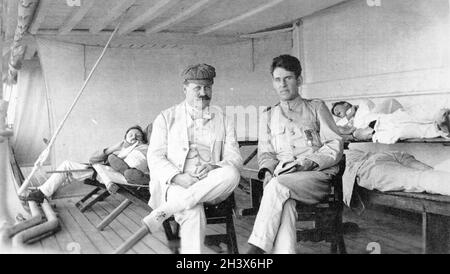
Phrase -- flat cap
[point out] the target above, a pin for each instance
(199, 73)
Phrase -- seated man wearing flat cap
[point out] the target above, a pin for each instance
(194, 158)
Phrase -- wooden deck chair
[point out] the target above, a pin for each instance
(326, 215)
(221, 213)
(100, 192)
(215, 214)
(107, 182)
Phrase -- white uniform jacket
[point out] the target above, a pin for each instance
(169, 146)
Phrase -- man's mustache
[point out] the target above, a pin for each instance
(204, 97)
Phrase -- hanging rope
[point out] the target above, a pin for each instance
(44, 154)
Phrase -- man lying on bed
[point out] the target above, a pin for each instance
(392, 171)
(388, 122)
(127, 157)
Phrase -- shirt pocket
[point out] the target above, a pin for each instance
(277, 137)
(312, 137)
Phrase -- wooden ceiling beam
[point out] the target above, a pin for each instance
(266, 33)
(151, 13)
(112, 15)
(239, 18)
(86, 38)
(186, 14)
(76, 16)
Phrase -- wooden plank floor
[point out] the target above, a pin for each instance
(392, 233)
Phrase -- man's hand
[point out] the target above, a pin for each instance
(203, 170)
(351, 113)
(184, 180)
(306, 165)
(267, 177)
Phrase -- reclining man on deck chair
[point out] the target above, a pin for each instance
(194, 158)
(127, 157)
(389, 122)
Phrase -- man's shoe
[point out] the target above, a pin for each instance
(112, 188)
(136, 177)
(35, 195)
(154, 220)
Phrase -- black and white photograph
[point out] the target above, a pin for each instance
(226, 132)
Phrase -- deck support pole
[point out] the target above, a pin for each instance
(435, 233)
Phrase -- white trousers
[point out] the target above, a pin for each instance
(274, 228)
(187, 204)
(400, 125)
(57, 180)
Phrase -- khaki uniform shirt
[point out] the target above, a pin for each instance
(296, 130)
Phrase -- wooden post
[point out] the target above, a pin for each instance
(435, 233)
(297, 40)
(1, 50)
(298, 48)
(447, 47)
(4, 216)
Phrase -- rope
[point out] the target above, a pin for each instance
(44, 154)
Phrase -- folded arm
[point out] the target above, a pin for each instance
(102, 155)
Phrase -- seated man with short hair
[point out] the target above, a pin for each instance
(127, 157)
(299, 149)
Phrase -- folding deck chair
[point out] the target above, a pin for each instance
(139, 195)
(215, 214)
(100, 192)
(327, 216)
(109, 182)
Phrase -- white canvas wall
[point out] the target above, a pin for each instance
(31, 123)
(132, 86)
(399, 49)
